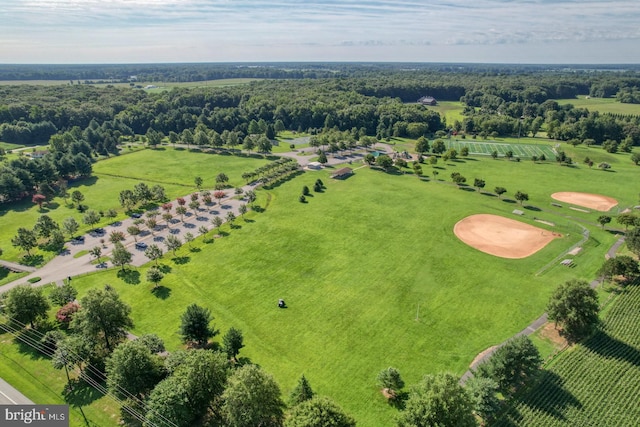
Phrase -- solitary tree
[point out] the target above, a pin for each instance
(181, 210)
(242, 209)
(25, 304)
(438, 400)
(628, 219)
(512, 364)
(153, 252)
(500, 191)
(232, 342)
(77, 197)
(39, 199)
(155, 276)
(252, 398)
(91, 218)
(216, 221)
(96, 252)
(478, 183)
(198, 182)
(25, 239)
(301, 392)
(189, 237)
(120, 256)
(521, 197)
(604, 220)
(173, 243)
(195, 326)
(103, 317)
(70, 226)
(574, 306)
(390, 382)
(116, 236)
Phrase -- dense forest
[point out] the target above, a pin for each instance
(358, 100)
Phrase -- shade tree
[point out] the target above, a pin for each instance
(103, 317)
(437, 400)
(252, 398)
(195, 325)
(574, 307)
(512, 364)
(25, 304)
(319, 411)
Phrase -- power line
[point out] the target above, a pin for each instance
(50, 350)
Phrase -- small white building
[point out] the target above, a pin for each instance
(314, 165)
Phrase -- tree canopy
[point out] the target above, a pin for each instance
(574, 306)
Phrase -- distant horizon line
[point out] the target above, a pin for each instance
(554, 64)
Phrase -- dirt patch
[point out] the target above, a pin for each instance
(502, 237)
(597, 202)
(551, 334)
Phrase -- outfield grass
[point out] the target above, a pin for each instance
(353, 265)
(603, 105)
(167, 167)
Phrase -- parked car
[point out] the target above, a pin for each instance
(99, 231)
(141, 245)
(78, 239)
(136, 215)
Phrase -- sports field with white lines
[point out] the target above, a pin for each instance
(487, 147)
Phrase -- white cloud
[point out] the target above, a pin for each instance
(220, 30)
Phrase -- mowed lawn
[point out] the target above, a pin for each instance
(179, 167)
(174, 169)
(373, 277)
(487, 147)
(603, 105)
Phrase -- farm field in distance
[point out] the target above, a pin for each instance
(603, 105)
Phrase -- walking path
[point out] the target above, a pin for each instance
(18, 268)
(533, 326)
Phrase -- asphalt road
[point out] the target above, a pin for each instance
(11, 396)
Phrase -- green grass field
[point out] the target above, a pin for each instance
(596, 383)
(353, 264)
(603, 105)
(167, 167)
(451, 110)
(358, 263)
(485, 148)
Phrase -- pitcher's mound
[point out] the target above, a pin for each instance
(592, 201)
(503, 237)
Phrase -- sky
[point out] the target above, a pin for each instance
(485, 31)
